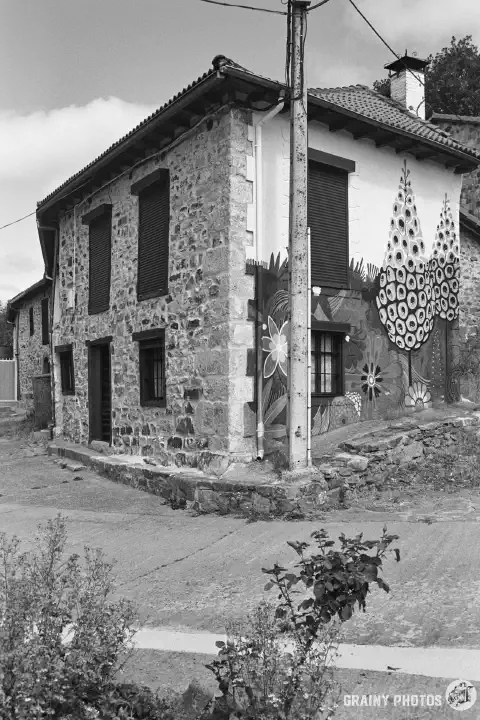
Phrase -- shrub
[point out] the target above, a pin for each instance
(62, 637)
(280, 663)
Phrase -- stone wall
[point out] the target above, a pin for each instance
(468, 133)
(32, 354)
(470, 283)
(204, 315)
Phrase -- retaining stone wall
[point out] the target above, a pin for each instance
(205, 313)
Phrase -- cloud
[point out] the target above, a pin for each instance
(38, 152)
(416, 24)
(48, 144)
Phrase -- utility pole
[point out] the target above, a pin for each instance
(298, 245)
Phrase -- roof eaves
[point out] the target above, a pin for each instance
(44, 282)
(470, 221)
(451, 147)
(475, 119)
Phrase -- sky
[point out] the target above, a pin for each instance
(76, 75)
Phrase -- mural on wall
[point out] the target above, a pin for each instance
(445, 265)
(394, 357)
(273, 370)
(405, 299)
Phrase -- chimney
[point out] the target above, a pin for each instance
(407, 78)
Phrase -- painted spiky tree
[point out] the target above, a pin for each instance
(445, 265)
(405, 299)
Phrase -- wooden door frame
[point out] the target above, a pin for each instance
(104, 341)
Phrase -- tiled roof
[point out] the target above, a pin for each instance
(26, 294)
(130, 134)
(369, 104)
(359, 99)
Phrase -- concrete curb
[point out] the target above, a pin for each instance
(207, 493)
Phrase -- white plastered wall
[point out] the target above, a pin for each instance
(372, 189)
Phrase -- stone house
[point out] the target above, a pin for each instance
(29, 312)
(466, 129)
(168, 254)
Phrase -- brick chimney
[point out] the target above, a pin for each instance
(407, 78)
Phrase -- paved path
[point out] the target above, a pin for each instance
(439, 662)
(190, 573)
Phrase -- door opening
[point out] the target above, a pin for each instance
(100, 392)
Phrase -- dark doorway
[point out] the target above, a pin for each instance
(100, 392)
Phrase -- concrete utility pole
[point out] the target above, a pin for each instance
(298, 245)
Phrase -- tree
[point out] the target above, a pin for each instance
(451, 79)
(6, 331)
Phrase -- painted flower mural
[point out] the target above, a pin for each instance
(371, 381)
(405, 298)
(378, 380)
(445, 265)
(276, 345)
(418, 396)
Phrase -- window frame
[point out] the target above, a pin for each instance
(67, 372)
(338, 339)
(45, 321)
(148, 341)
(31, 321)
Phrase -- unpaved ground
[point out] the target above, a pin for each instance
(189, 572)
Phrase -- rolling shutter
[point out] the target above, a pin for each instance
(45, 321)
(328, 222)
(100, 233)
(153, 240)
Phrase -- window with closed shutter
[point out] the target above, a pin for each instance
(45, 321)
(153, 239)
(100, 241)
(328, 221)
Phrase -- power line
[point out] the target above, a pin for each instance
(314, 7)
(419, 80)
(244, 7)
(19, 220)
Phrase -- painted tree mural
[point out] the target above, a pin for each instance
(405, 299)
(445, 265)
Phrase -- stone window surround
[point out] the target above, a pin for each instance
(155, 336)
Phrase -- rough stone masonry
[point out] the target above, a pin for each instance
(204, 314)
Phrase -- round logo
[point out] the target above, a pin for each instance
(460, 695)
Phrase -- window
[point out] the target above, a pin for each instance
(327, 211)
(152, 367)
(67, 378)
(100, 251)
(32, 327)
(45, 337)
(153, 237)
(327, 363)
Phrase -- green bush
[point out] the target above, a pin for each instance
(63, 638)
(279, 664)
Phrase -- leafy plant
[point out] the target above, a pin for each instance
(62, 638)
(280, 664)
(451, 79)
